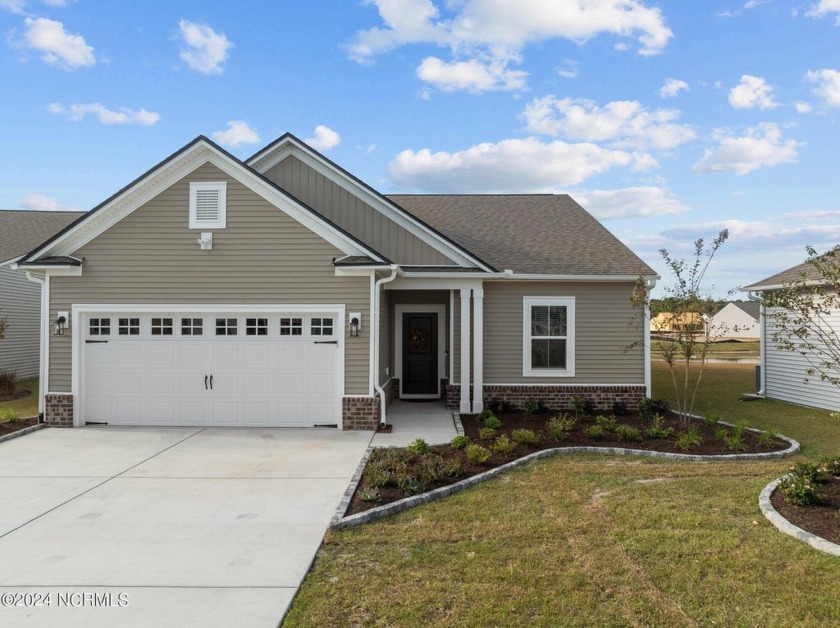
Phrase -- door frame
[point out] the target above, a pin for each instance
(81, 312)
(419, 308)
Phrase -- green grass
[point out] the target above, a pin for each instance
(721, 349)
(25, 406)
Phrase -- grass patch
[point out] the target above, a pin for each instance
(25, 406)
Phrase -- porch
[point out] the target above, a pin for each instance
(430, 420)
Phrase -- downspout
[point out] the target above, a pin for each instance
(650, 284)
(375, 334)
(762, 343)
(44, 341)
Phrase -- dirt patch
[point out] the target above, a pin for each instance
(822, 520)
(7, 427)
(18, 394)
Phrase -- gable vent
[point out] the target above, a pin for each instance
(208, 205)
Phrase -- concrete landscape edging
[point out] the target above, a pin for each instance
(783, 525)
(23, 432)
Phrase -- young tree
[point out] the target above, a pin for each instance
(799, 313)
(686, 345)
(3, 326)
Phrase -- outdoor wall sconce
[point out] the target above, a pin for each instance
(355, 324)
(60, 323)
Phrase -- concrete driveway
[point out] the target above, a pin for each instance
(181, 526)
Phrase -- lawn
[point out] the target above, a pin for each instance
(25, 406)
(592, 541)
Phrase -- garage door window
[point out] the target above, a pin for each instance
(100, 327)
(192, 327)
(161, 327)
(129, 327)
(321, 327)
(256, 327)
(226, 327)
(291, 326)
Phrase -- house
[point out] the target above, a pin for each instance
(668, 322)
(736, 319)
(284, 291)
(20, 300)
(783, 372)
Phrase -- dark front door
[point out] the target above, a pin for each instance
(420, 355)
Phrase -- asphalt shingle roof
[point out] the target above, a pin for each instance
(21, 230)
(799, 272)
(752, 308)
(526, 233)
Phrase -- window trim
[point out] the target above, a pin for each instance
(527, 304)
(221, 188)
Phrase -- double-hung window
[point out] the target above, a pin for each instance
(548, 337)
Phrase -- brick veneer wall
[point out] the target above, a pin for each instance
(392, 390)
(556, 396)
(58, 410)
(360, 413)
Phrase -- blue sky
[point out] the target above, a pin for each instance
(667, 120)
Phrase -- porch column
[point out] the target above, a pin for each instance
(465, 350)
(478, 350)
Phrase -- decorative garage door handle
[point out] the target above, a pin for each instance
(205, 382)
(326, 342)
(95, 342)
(211, 382)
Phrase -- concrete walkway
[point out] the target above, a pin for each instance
(430, 420)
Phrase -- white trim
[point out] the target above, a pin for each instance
(419, 308)
(563, 384)
(527, 304)
(52, 269)
(576, 278)
(43, 338)
(220, 187)
(376, 331)
(646, 340)
(357, 271)
(422, 283)
(373, 337)
(466, 297)
(451, 374)
(478, 351)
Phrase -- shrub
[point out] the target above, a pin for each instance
(452, 468)
(8, 415)
(410, 484)
(459, 442)
(8, 382)
(619, 408)
(431, 469)
(376, 476)
(832, 466)
(506, 406)
(503, 446)
(711, 419)
(609, 423)
(484, 415)
(583, 406)
(477, 453)
(486, 433)
(799, 490)
(559, 427)
(765, 439)
(689, 438)
(493, 423)
(809, 471)
(542, 406)
(494, 405)
(525, 437)
(418, 446)
(628, 433)
(595, 432)
(649, 407)
(657, 428)
(530, 407)
(369, 495)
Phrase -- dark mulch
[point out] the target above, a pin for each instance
(822, 520)
(18, 394)
(7, 427)
(513, 421)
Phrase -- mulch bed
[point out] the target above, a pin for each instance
(7, 427)
(18, 394)
(513, 421)
(822, 520)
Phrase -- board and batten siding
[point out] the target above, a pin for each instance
(786, 372)
(602, 332)
(353, 215)
(263, 257)
(20, 303)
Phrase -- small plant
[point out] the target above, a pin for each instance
(559, 427)
(711, 419)
(689, 438)
(477, 453)
(525, 437)
(595, 432)
(765, 439)
(494, 405)
(503, 446)
(811, 472)
(484, 415)
(609, 423)
(369, 495)
(506, 406)
(530, 407)
(619, 408)
(410, 484)
(657, 428)
(722, 434)
(799, 490)
(832, 466)
(542, 406)
(486, 433)
(418, 446)
(583, 406)
(648, 408)
(493, 423)
(377, 476)
(8, 415)
(628, 433)
(8, 382)
(734, 439)
(459, 442)
(433, 468)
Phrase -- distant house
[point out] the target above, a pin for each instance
(20, 299)
(737, 319)
(668, 321)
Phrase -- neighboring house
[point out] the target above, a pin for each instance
(736, 319)
(668, 321)
(783, 373)
(284, 291)
(20, 299)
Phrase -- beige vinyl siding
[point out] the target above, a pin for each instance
(353, 215)
(602, 313)
(20, 303)
(262, 257)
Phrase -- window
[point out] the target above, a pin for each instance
(548, 343)
(128, 327)
(192, 326)
(321, 327)
(225, 326)
(256, 327)
(291, 326)
(100, 327)
(161, 327)
(208, 205)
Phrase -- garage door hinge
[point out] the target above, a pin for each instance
(95, 342)
(326, 342)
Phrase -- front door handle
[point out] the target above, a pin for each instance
(211, 382)
(205, 382)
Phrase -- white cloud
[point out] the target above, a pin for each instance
(812, 215)
(752, 92)
(123, 115)
(43, 203)
(206, 49)
(824, 7)
(803, 107)
(759, 147)
(14, 6)
(55, 3)
(752, 4)
(630, 202)
(514, 165)
(237, 134)
(570, 69)
(472, 75)
(672, 88)
(57, 46)
(324, 138)
(623, 123)
(828, 85)
(744, 233)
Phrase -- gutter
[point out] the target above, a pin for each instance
(650, 284)
(374, 332)
(762, 343)
(43, 335)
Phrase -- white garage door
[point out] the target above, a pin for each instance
(221, 369)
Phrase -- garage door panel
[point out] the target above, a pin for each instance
(255, 384)
(322, 384)
(292, 355)
(127, 383)
(191, 412)
(225, 354)
(162, 412)
(323, 355)
(161, 354)
(225, 412)
(162, 383)
(128, 411)
(192, 354)
(255, 355)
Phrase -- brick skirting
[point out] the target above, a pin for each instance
(557, 396)
(360, 413)
(58, 410)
